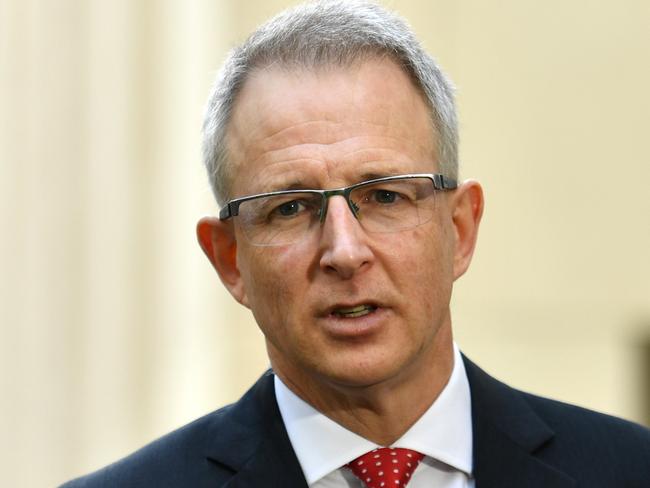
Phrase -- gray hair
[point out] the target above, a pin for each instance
(327, 33)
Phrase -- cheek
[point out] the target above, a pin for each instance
(426, 264)
(269, 276)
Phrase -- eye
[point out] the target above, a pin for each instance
(385, 196)
(289, 209)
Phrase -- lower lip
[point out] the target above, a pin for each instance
(354, 327)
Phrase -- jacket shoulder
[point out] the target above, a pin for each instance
(163, 461)
(592, 448)
(611, 435)
(205, 452)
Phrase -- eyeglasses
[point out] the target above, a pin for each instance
(381, 205)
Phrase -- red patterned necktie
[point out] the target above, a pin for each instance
(386, 467)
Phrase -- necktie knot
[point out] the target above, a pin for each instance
(386, 467)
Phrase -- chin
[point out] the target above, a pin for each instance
(360, 374)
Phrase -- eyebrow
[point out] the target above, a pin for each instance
(279, 185)
(297, 185)
(300, 185)
(374, 176)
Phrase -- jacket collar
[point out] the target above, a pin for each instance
(507, 435)
(255, 445)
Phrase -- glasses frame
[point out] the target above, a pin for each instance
(440, 182)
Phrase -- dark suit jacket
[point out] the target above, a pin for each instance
(520, 440)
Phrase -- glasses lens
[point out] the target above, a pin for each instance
(394, 205)
(279, 219)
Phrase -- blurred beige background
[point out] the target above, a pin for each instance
(115, 330)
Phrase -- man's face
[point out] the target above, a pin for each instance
(327, 129)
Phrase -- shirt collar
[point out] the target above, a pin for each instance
(444, 432)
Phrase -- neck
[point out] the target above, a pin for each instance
(384, 411)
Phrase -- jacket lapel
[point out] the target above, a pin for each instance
(256, 447)
(507, 434)
(268, 469)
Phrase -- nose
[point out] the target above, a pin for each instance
(344, 247)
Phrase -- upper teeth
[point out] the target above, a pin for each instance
(355, 311)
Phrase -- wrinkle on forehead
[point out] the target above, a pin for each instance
(331, 116)
(314, 174)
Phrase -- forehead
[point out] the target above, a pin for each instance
(327, 127)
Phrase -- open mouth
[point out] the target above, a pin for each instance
(353, 312)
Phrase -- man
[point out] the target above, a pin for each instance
(331, 145)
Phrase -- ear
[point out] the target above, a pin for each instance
(217, 239)
(467, 210)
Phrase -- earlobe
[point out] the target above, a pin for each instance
(217, 239)
(467, 212)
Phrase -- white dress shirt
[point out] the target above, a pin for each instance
(443, 434)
